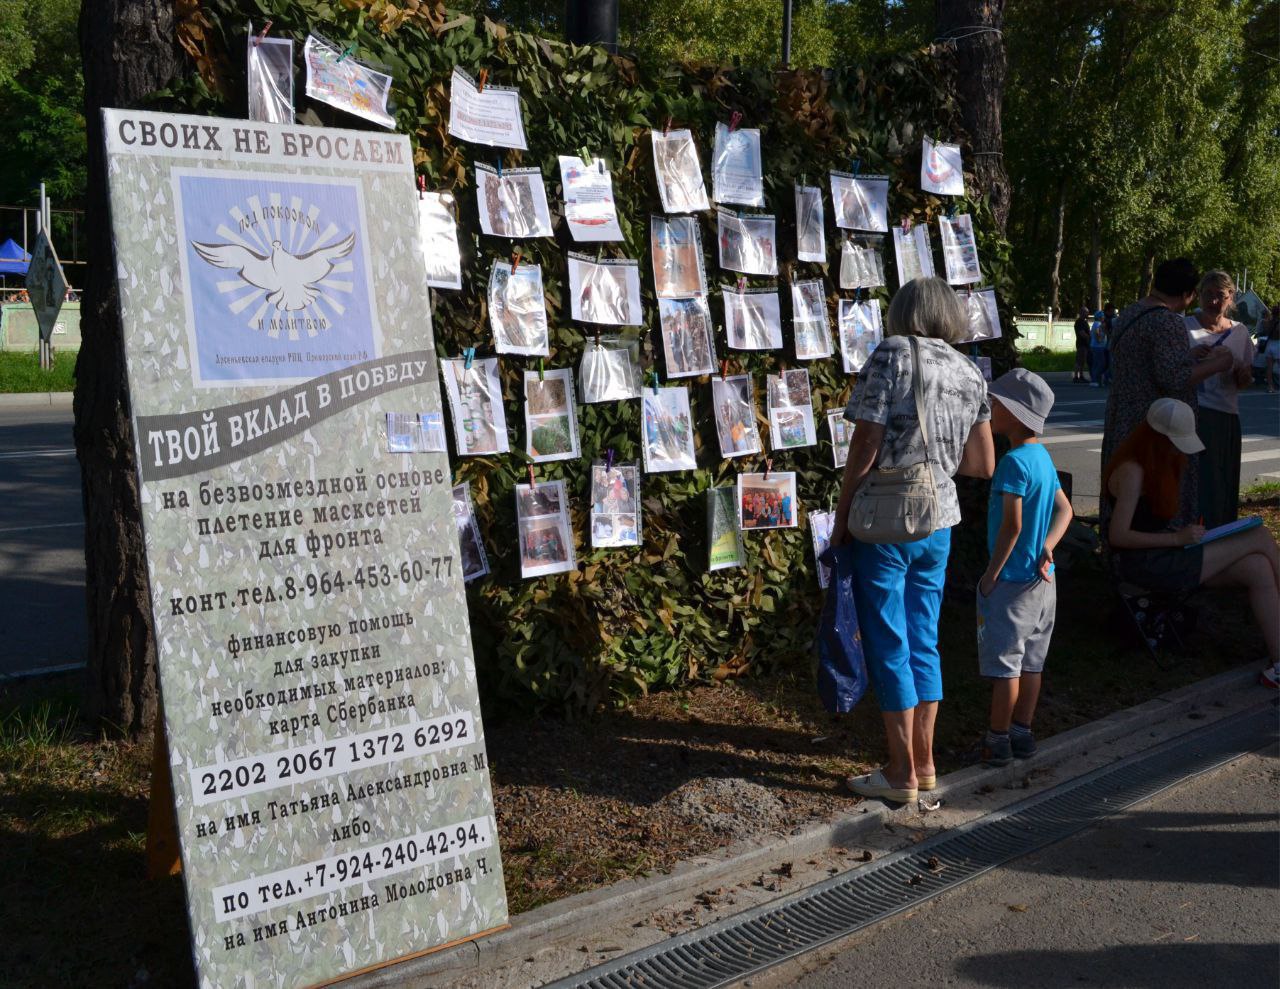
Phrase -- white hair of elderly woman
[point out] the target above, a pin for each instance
(927, 307)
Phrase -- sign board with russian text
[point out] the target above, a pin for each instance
(329, 769)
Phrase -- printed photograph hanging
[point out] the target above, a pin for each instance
(269, 78)
(475, 401)
(414, 432)
(737, 175)
(615, 505)
(809, 320)
(735, 412)
(860, 331)
(517, 309)
(431, 432)
(752, 319)
(513, 203)
(790, 410)
(841, 435)
(959, 250)
(687, 341)
(546, 540)
(675, 161)
(820, 526)
(983, 313)
(811, 231)
(668, 430)
(913, 252)
(610, 369)
(589, 210)
(983, 364)
(747, 243)
(439, 232)
(606, 291)
(941, 169)
(861, 266)
(724, 539)
(346, 83)
(550, 418)
(490, 116)
(861, 201)
(475, 561)
(767, 501)
(675, 245)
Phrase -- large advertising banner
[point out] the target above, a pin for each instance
(329, 770)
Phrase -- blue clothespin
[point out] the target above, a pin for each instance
(973, 350)
(857, 167)
(608, 461)
(468, 355)
(499, 166)
(653, 377)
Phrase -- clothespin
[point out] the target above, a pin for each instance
(532, 484)
(973, 352)
(349, 50)
(857, 167)
(262, 34)
(666, 129)
(653, 378)
(906, 225)
(597, 335)
(724, 369)
(742, 285)
(499, 166)
(515, 260)
(804, 179)
(541, 371)
(608, 461)
(951, 211)
(422, 186)
(484, 78)
(734, 119)
(599, 253)
(768, 466)
(585, 155)
(468, 355)
(968, 290)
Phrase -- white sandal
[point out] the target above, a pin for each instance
(875, 785)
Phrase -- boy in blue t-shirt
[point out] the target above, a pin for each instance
(1017, 599)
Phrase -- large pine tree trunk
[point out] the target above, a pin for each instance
(1095, 261)
(975, 28)
(1059, 243)
(129, 50)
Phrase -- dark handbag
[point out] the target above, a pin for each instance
(842, 665)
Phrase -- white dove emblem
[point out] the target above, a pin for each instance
(290, 281)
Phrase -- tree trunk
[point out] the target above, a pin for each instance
(975, 27)
(1095, 262)
(129, 50)
(1059, 240)
(1148, 273)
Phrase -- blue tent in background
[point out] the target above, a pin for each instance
(13, 259)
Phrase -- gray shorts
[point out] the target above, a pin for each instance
(1015, 624)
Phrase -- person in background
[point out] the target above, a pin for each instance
(1218, 411)
(1269, 329)
(1098, 353)
(1082, 345)
(1142, 483)
(1152, 360)
(897, 587)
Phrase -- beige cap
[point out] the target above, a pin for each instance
(1175, 420)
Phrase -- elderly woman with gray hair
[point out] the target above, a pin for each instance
(898, 585)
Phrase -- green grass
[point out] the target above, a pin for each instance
(1044, 359)
(1267, 491)
(21, 372)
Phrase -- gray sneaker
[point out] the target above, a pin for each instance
(992, 753)
(1023, 746)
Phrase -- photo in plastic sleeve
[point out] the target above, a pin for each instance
(675, 247)
(809, 320)
(439, 232)
(737, 174)
(735, 412)
(513, 204)
(861, 265)
(811, 231)
(959, 250)
(752, 319)
(475, 402)
(490, 116)
(841, 435)
(550, 417)
(475, 561)
(589, 209)
(820, 525)
(402, 432)
(767, 501)
(748, 244)
(984, 315)
(679, 173)
(346, 83)
(615, 505)
(517, 309)
(724, 539)
(687, 341)
(606, 291)
(913, 252)
(861, 330)
(269, 78)
(431, 432)
(941, 169)
(861, 201)
(983, 364)
(546, 540)
(610, 369)
(790, 405)
(668, 430)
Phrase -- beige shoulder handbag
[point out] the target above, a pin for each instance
(899, 504)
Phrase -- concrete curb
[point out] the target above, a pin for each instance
(37, 400)
(578, 916)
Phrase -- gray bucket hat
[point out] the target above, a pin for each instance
(1027, 396)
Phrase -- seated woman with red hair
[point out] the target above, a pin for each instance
(1142, 481)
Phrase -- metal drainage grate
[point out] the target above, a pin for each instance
(724, 952)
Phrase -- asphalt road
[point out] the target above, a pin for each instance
(1183, 891)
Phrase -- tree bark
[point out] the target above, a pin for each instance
(1059, 242)
(1095, 261)
(129, 50)
(1148, 273)
(975, 28)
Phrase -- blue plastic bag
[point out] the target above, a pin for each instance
(842, 666)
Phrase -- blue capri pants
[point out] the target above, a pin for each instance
(897, 588)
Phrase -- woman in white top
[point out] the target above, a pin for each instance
(1218, 416)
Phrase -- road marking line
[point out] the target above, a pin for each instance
(66, 668)
(1256, 456)
(25, 454)
(1076, 425)
(1072, 438)
(51, 525)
